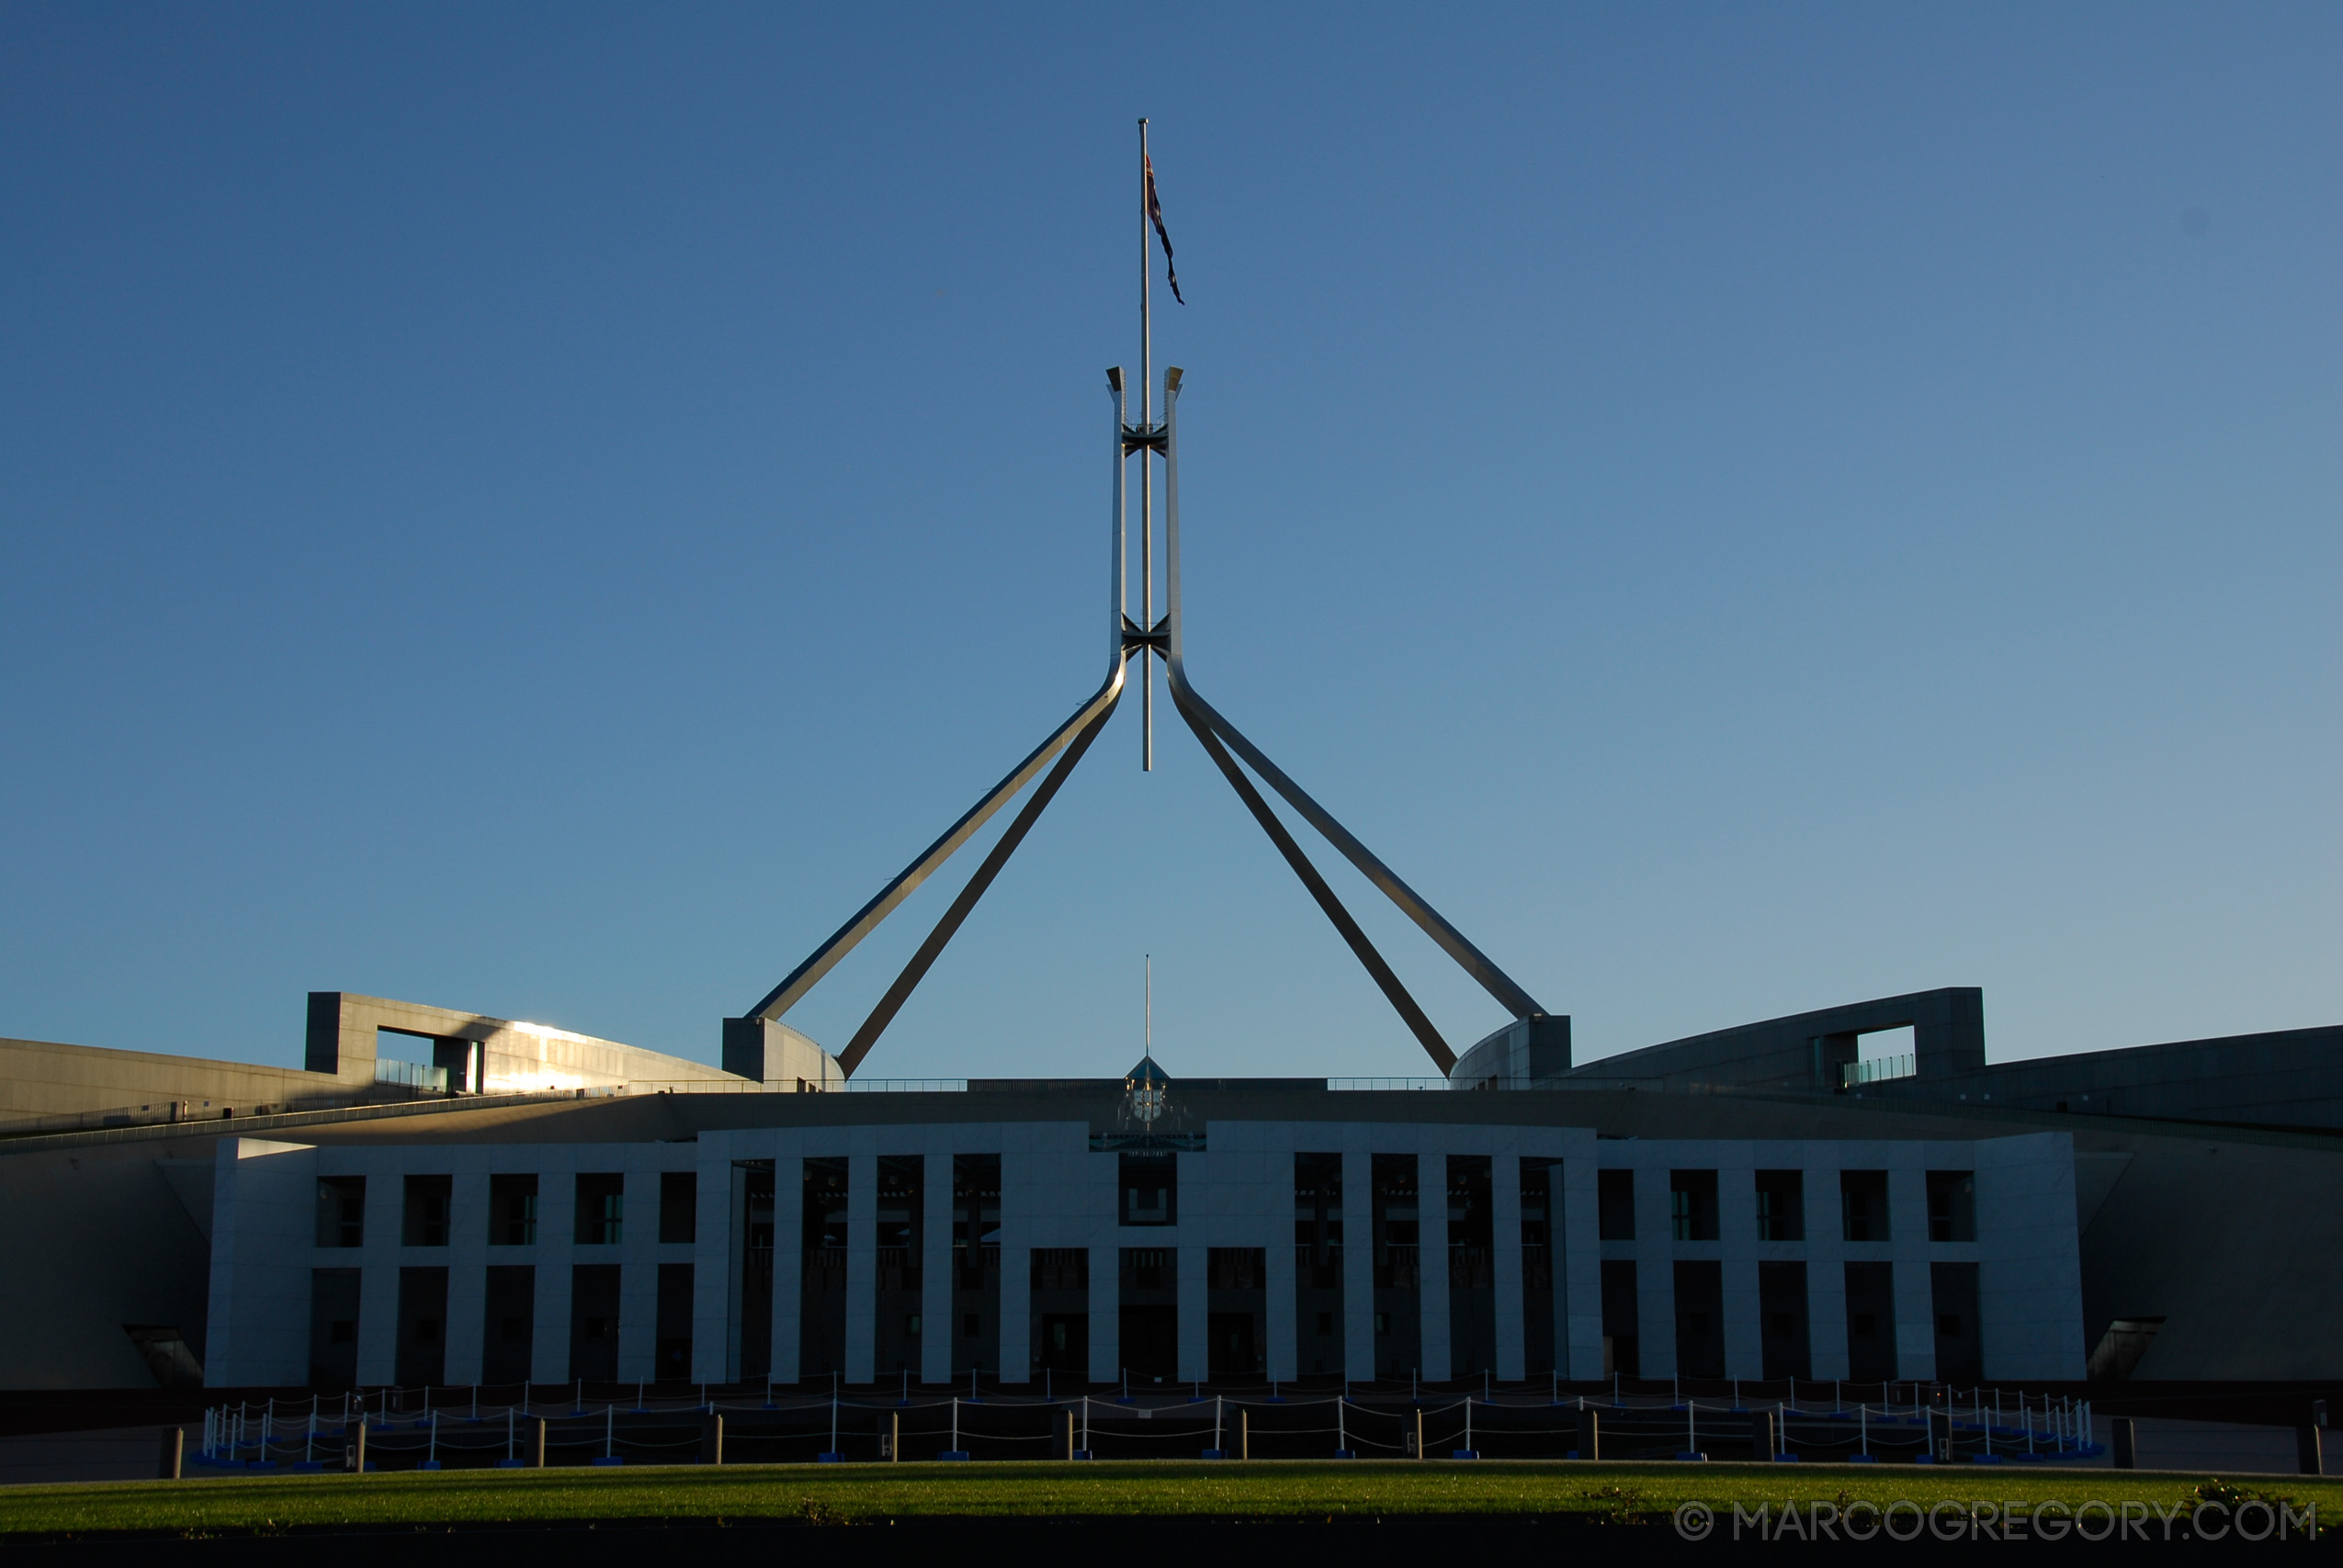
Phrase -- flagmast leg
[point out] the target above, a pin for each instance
(1146, 478)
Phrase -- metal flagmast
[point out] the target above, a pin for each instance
(1147, 469)
(1147, 637)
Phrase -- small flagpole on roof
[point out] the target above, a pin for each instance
(1151, 1007)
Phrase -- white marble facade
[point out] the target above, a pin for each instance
(1057, 1192)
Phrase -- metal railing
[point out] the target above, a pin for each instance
(1876, 1070)
(410, 1075)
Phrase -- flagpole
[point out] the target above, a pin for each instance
(1146, 478)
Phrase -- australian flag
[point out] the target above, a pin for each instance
(1155, 216)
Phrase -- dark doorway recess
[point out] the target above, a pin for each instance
(1871, 1322)
(1700, 1318)
(593, 1322)
(1781, 1321)
(1960, 1348)
(422, 1326)
(332, 1327)
(1149, 1313)
(509, 1331)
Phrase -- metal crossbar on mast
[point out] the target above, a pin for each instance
(1145, 638)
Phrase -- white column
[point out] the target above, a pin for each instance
(1431, 1275)
(717, 1245)
(788, 1263)
(1195, 1325)
(379, 1254)
(637, 1256)
(1738, 1252)
(1578, 1295)
(1019, 1188)
(1908, 1244)
(1505, 1264)
(1825, 1256)
(1282, 1353)
(466, 1252)
(1655, 1267)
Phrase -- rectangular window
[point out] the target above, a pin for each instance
(1692, 1204)
(512, 1211)
(975, 1261)
(427, 1210)
(341, 1211)
(1318, 1258)
(1863, 1201)
(901, 1232)
(678, 1206)
(602, 1208)
(1150, 1186)
(1951, 1205)
(1782, 1205)
(821, 1277)
(1614, 1205)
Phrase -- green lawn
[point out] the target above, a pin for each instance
(825, 1494)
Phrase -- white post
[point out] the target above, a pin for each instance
(1468, 1423)
(1692, 1428)
(1341, 1438)
(508, 1431)
(1863, 1417)
(956, 1423)
(609, 1429)
(833, 1418)
(1216, 1445)
(434, 1440)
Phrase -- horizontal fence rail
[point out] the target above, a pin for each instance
(431, 1429)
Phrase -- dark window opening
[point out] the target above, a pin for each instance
(1862, 1199)
(1782, 1205)
(341, 1211)
(1614, 1205)
(512, 1211)
(427, 1198)
(602, 1208)
(1692, 1204)
(1951, 1205)
(1150, 1188)
(678, 1206)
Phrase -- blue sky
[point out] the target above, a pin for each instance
(541, 510)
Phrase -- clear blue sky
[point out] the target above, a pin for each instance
(541, 510)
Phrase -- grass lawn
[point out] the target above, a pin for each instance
(850, 1493)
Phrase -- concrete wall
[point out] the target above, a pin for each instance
(94, 1238)
(38, 1078)
(1807, 1050)
(509, 1057)
(2293, 1077)
(263, 1225)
